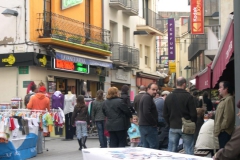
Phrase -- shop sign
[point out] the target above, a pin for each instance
(23, 70)
(70, 3)
(70, 66)
(26, 83)
(171, 39)
(10, 60)
(122, 76)
(172, 66)
(197, 17)
(164, 60)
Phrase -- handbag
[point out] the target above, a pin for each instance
(188, 127)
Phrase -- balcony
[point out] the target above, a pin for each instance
(125, 55)
(152, 23)
(132, 8)
(55, 29)
(118, 4)
(197, 45)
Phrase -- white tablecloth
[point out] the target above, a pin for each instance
(138, 153)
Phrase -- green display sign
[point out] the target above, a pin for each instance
(26, 83)
(23, 70)
(70, 3)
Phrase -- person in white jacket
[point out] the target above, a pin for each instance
(206, 139)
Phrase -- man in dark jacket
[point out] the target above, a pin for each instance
(148, 118)
(138, 98)
(180, 104)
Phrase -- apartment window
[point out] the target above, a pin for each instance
(140, 50)
(185, 46)
(126, 36)
(147, 56)
(113, 30)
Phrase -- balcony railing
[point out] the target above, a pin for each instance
(63, 28)
(154, 20)
(132, 7)
(197, 45)
(118, 4)
(125, 55)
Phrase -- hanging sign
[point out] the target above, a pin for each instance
(70, 3)
(197, 17)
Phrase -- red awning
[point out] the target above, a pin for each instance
(224, 54)
(203, 79)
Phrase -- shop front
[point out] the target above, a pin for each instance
(145, 79)
(203, 79)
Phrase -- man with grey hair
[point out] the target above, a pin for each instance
(180, 104)
(142, 91)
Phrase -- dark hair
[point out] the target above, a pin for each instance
(150, 85)
(83, 92)
(195, 93)
(80, 101)
(125, 89)
(181, 81)
(205, 94)
(158, 92)
(33, 87)
(228, 85)
(99, 95)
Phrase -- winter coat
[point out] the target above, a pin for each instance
(97, 112)
(179, 104)
(117, 113)
(80, 113)
(148, 115)
(225, 116)
(206, 138)
(126, 99)
(231, 150)
(39, 102)
(137, 101)
(135, 134)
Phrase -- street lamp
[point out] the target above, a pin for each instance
(187, 68)
(10, 12)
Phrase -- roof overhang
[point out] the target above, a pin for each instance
(150, 30)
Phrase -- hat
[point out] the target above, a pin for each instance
(165, 93)
(42, 89)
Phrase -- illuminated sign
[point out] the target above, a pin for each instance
(70, 3)
(197, 17)
(70, 66)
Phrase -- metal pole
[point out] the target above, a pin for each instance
(237, 54)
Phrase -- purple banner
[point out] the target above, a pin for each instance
(171, 39)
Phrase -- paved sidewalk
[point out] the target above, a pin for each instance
(64, 150)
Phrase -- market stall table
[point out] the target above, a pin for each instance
(137, 153)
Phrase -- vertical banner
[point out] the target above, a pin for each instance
(171, 39)
(197, 17)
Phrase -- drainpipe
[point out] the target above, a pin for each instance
(25, 15)
(103, 19)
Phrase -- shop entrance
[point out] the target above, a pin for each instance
(65, 85)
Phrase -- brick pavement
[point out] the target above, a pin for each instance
(64, 150)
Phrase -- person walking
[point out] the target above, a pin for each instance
(148, 118)
(118, 117)
(225, 114)
(99, 118)
(142, 91)
(80, 119)
(180, 104)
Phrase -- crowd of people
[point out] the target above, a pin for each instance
(157, 120)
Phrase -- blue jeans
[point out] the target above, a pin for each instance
(81, 128)
(102, 138)
(149, 136)
(174, 137)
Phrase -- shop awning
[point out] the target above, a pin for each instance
(203, 79)
(224, 54)
(84, 59)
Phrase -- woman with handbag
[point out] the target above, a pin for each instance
(80, 119)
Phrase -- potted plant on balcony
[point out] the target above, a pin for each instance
(94, 44)
(75, 39)
(58, 35)
(105, 46)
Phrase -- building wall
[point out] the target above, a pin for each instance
(226, 7)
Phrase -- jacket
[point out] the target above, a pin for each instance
(148, 115)
(231, 150)
(159, 104)
(137, 101)
(178, 104)
(39, 102)
(208, 102)
(135, 134)
(117, 113)
(57, 101)
(97, 112)
(206, 138)
(126, 100)
(80, 113)
(225, 116)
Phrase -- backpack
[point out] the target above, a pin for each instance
(27, 98)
